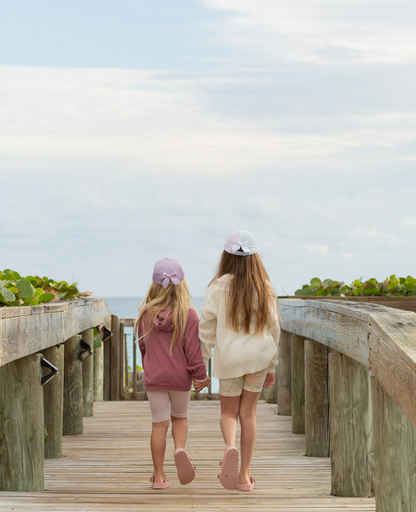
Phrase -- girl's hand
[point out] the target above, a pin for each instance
(269, 380)
(201, 385)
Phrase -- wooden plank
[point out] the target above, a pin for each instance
(284, 375)
(395, 454)
(298, 384)
(341, 327)
(53, 401)
(108, 468)
(21, 425)
(350, 416)
(316, 399)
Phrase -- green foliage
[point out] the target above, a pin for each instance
(16, 290)
(45, 434)
(391, 287)
(98, 337)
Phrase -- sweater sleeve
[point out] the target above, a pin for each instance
(274, 328)
(195, 364)
(208, 324)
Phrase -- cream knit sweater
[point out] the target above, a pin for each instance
(235, 353)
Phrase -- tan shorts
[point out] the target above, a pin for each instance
(160, 401)
(250, 382)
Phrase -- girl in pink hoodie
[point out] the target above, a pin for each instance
(167, 331)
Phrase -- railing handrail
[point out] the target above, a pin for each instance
(29, 329)
(381, 338)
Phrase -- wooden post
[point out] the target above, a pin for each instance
(395, 454)
(107, 370)
(21, 425)
(126, 363)
(298, 384)
(316, 399)
(99, 373)
(73, 399)
(53, 399)
(88, 376)
(121, 361)
(284, 375)
(134, 373)
(350, 418)
(115, 366)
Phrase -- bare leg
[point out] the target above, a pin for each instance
(158, 447)
(229, 418)
(179, 431)
(248, 409)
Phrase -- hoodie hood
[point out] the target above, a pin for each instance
(163, 321)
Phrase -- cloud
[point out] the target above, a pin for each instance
(317, 249)
(324, 32)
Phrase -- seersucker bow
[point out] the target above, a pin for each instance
(170, 277)
(240, 245)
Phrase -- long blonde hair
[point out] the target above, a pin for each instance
(250, 293)
(175, 298)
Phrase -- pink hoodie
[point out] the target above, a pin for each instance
(163, 371)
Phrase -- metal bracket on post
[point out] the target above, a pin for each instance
(86, 352)
(107, 333)
(54, 371)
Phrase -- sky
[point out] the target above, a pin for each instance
(136, 130)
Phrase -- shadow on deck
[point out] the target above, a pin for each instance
(109, 467)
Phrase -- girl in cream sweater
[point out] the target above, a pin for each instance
(240, 319)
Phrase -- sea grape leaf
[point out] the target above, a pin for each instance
(315, 281)
(7, 294)
(25, 288)
(39, 292)
(46, 297)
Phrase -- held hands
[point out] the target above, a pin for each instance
(269, 380)
(201, 385)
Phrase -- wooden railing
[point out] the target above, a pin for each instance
(347, 375)
(60, 336)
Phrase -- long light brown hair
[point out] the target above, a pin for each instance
(250, 295)
(159, 300)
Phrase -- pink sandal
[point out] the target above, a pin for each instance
(229, 468)
(184, 467)
(247, 487)
(160, 485)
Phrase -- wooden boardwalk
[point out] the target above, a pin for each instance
(108, 469)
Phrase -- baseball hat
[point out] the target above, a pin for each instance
(240, 243)
(167, 271)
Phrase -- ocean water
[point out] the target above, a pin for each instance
(126, 307)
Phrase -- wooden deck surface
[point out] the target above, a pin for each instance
(108, 469)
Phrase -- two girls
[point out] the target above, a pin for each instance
(240, 319)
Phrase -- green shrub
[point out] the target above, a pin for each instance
(391, 287)
(16, 290)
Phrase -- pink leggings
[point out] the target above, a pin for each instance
(159, 404)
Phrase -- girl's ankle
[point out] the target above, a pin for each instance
(244, 478)
(159, 477)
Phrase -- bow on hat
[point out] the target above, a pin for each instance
(170, 277)
(240, 245)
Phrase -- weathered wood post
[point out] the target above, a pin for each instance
(107, 370)
(88, 375)
(316, 399)
(53, 399)
(284, 375)
(21, 425)
(99, 373)
(395, 454)
(350, 417)
(115, 363)
(298, 384)
(73, 398)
